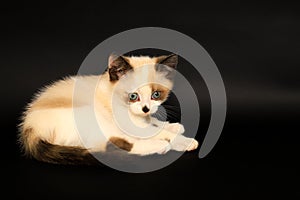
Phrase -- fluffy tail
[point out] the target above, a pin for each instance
(46, 152)
(57, 154)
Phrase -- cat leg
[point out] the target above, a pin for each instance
(182, 143)
(176, 128)
(150, 146)
(172, 133)
(178, 142)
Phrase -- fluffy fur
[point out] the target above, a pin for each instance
(49, 133)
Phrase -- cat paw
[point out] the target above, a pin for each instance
(193, 145)
(164, 147)
(184, 144)
(176, 128)
(152, 147)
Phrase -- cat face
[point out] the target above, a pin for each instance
(142, 83)
(146, 99)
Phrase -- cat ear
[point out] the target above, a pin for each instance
(117, 66)
(170, 60)
(167, 65)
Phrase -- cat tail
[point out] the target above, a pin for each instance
(44, 151)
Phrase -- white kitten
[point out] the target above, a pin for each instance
(126, 95)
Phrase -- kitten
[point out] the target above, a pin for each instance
(126, 96)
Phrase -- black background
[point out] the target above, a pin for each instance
(256, 48)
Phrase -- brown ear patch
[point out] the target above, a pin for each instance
(118, 66)
(167, 65)
(170, 60)
(121, 143)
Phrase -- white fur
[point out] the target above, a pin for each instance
(58, 125)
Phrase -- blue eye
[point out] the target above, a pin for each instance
(155, 95)
(133, 96)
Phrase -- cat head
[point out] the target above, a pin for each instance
(142, 83)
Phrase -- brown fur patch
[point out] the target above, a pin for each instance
(170, 60)
(27, 140)
(51, 153)
(167, 139)
(27, 131)
(52, 103)
(118, 67)
(57, 154)
(121, 143)
(164, 92)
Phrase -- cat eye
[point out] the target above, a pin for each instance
(133, 96)
(155, 95)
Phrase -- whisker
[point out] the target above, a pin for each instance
(173, 112)
(173, 116)
(160, 115)
(172, 109)
(170, 113)
(161, 112)
(171, 106)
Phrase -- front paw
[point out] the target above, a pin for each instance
(176, 128)
(149, 147)
(162, 147)
(184, 144)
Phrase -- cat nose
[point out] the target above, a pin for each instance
(145, 109)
